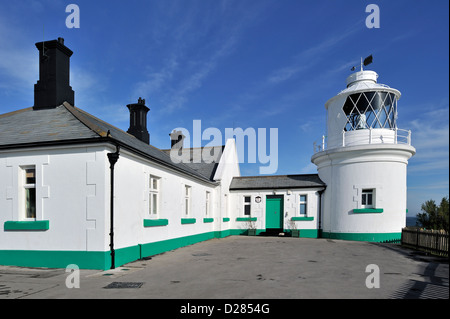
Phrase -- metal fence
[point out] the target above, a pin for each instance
(432, 241)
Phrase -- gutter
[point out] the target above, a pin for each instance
(112, 157)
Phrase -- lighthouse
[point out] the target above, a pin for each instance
(363, 160)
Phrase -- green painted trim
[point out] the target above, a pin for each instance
(302, 218)
(246, 219)
(208, 220)
(188, 221)
(368, 211)
(226, 219)
(155, 222)
(56, 259)
(27, 225)
(371, 237)
(305, 233)
(407, 210)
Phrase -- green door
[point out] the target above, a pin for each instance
(274, 212)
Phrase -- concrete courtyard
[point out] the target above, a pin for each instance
(241, 267)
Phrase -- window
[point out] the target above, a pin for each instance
(367, 198)
(154, 195)
(29, 192)
(370, 110)
(208, 203)
(303, 204)
(247, 205)
(187, 200)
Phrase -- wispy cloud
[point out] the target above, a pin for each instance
(430, 137)
(200, 40)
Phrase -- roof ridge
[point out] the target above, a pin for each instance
(78, 114)
(273, 176)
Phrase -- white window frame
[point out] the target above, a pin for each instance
(24, 186)
(245, 204)
(208, 204)
(187, 200)
(305, 202)
(365, 192)
(154, 192)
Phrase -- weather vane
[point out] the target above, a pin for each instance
(366, 62)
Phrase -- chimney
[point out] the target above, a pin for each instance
(52, 88)
(175, 138)
(138, 120)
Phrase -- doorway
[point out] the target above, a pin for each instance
(274, 211)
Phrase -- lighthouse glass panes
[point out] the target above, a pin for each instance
(29, 186)
(154, 195)
(367, 110)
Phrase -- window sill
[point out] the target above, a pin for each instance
(302, 218)
(155, 222)
(246, 219)
(27, 225)
(208, 220)
(188, 221)
(368, 210)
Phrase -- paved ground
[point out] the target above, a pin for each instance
(240, 267)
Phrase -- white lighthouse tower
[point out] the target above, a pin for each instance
(363, 161)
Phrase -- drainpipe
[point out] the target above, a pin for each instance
(320, 212)
(112, 157)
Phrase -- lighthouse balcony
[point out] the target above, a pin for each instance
(364, 137)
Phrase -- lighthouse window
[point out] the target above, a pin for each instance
(370, 110)
(367, 198)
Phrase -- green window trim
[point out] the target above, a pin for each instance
(155, 222)
(302, 218)
(27, 225)
(188, 221)
(226, 219)
(208, 220)
(368, 210)
(246, 219)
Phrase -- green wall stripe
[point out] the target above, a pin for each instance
(208, 220)
(302, 218)
(246, 219)
(371, 237)
(56, 259)
(188, 221)
(27, 225)
(368, 210)
(155, 222)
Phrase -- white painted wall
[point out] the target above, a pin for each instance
(291, 202)
(349, 170)
(70, 193)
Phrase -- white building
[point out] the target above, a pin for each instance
(77, 190)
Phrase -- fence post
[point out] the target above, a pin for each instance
(417, 239)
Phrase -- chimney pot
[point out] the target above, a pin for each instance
(53, 87)
(138, 120)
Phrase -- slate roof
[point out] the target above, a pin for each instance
(276, 182)
(200, 166)
(67, 124)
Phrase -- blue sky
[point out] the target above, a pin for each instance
(243, 63)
